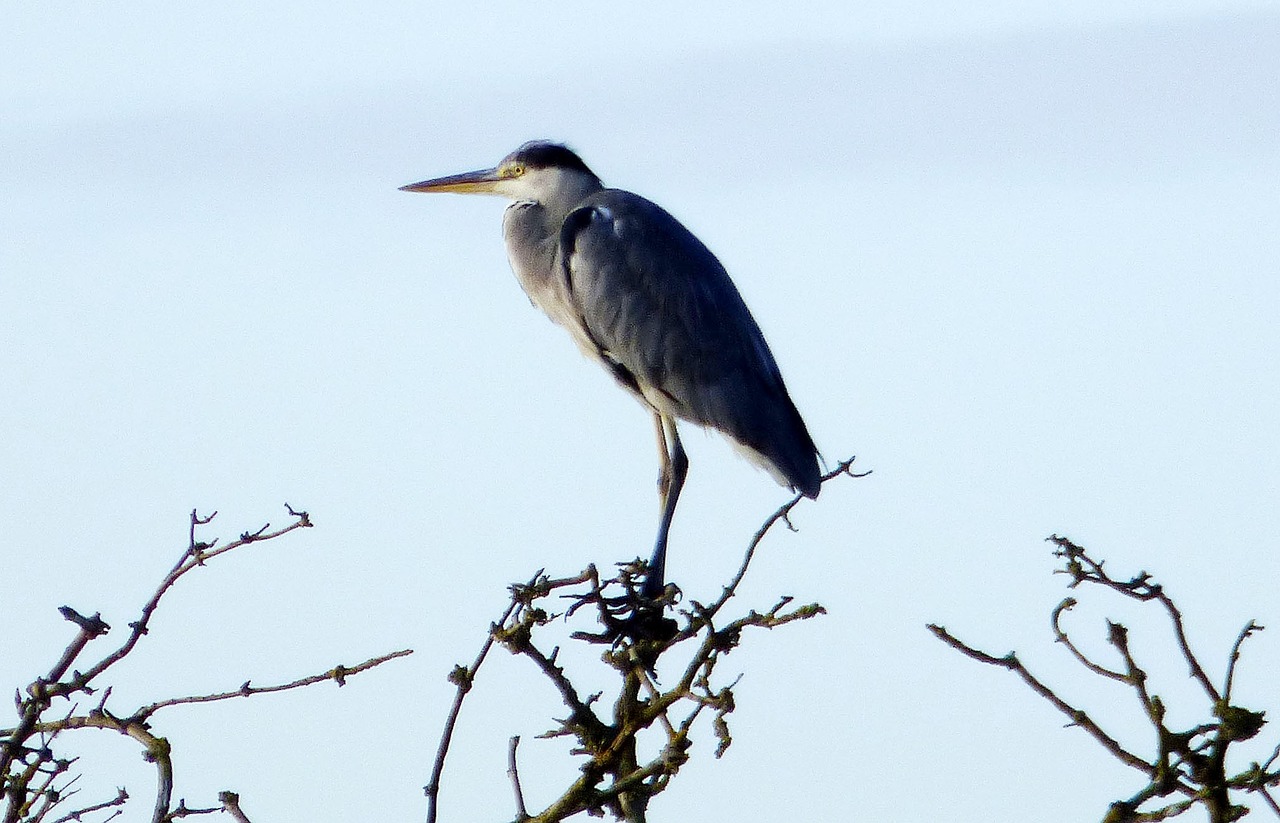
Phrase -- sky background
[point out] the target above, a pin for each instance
(1019, 259)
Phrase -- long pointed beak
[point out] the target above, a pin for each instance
(472, 182)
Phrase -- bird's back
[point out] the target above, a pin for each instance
(662, 310)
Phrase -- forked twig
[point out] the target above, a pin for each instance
(30, 771)
(615, 779)
(1190, 762)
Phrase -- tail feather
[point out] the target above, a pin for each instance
(783, 447)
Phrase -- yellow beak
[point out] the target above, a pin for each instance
(472, 182)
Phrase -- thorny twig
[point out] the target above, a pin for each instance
(1190, 762)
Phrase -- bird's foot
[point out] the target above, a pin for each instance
(632, 615)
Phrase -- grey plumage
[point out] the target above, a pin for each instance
(640, 294)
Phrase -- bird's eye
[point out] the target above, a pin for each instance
(514, 170)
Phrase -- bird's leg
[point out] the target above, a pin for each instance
(664, 460)
(674, 470)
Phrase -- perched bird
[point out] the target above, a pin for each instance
(647, 300)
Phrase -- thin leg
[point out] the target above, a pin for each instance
(674, 470)
(664, 459)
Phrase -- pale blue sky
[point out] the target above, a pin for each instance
(1021, 261)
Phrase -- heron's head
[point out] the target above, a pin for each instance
(538, 171)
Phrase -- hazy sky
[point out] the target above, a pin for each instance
(1021, 261)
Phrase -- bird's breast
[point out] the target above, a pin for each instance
(532, 241)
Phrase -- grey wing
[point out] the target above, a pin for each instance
(666, 316)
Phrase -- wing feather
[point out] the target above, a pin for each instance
(659, 305)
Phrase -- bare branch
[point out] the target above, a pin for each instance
(1190, 762)
(231, 805)
(120, 799)
(1077, 716)
(28, 766)
(614, 779)
(1245, 633)
(183, 810)
(783, 514)
(196, 555)
(338, 673)
(513, 772)
(1061, 636)
(462, 678)
(1085, 570)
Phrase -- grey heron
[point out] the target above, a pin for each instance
(643, 297)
